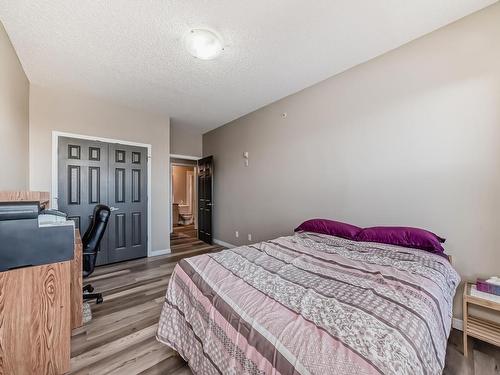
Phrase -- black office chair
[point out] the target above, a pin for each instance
(91, 241)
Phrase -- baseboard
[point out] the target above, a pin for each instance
(222, 243)
(155, 253)
(458, 324)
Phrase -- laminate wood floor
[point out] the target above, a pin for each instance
(120, 339)
(485, 359)
(184, 231)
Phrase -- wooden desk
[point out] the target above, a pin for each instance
(35, 327)
(76, 264)
(38, 308)
(77, 284)
(41, 196)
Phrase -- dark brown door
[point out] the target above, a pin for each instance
(205, 204)
(93, 172)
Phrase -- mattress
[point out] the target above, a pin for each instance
(311, 304)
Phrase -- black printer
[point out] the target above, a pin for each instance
(30, 236)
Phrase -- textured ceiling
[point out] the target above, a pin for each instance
(132, 50)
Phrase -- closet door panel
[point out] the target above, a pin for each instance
(128, 202)
(83, 183)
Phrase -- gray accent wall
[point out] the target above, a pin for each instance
(409, 138)
(14, 118)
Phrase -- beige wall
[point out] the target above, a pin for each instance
(80, 114)
(14, 115)
(409, 138)
(184, 141)
(179, 183)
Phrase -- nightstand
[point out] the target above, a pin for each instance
(474, 326)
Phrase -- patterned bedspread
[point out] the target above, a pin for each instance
(311, 304)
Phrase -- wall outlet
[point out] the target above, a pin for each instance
(237, 234)
(249, 237)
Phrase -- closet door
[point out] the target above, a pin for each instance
(128, 202)
(91, 173)
(83, 183)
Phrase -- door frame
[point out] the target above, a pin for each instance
(55, 189)
(170, 192)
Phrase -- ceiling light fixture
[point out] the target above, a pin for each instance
(203, 44)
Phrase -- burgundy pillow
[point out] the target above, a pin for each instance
(403, 236)
(333, 228)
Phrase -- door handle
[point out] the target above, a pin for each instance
(113, 209)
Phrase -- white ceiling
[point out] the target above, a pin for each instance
(132, 50)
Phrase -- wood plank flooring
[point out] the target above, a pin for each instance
(183, 232)
(486, 358)
(120, 339)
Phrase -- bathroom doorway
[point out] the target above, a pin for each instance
(184, 198)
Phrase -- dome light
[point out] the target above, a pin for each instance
(203, 44)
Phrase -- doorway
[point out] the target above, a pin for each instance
(184, 198)
(91, 172)
(191, 208)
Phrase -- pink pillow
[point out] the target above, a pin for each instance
(403, 236)
(330, 227)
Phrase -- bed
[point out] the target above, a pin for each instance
(311, 304)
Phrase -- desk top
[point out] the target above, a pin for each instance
(41, 196)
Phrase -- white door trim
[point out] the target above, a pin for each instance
(54, 190)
